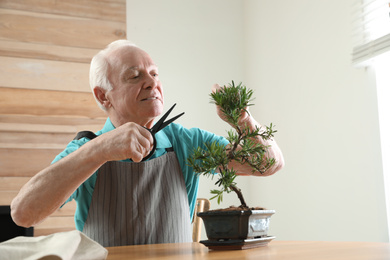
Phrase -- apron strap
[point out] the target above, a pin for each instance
(88, 134)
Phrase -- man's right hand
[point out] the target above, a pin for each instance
(130, 140)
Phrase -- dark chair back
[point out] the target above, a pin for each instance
(8, 228)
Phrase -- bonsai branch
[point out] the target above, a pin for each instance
(245, 145)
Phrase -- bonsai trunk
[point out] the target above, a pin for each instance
(239, 195)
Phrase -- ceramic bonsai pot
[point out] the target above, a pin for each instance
(236, 225)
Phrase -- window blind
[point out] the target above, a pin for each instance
(371, 30)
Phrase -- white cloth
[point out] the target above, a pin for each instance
(70, 245)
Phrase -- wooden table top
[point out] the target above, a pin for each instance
(291, 250)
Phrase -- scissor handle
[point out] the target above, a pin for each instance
(153, 149)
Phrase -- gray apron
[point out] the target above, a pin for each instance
(139, 203)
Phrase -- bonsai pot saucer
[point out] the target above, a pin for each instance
(237, 244)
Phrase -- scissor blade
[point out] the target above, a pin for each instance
(158, 126)
(169, 121)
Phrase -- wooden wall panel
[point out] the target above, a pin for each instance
(55, 224)
(12, 183)
(58, 30)
(24, 162)
(45, 50)
(44, 74)
(110, 10)
(10, 139)
(52, 120)
(44, 103)
(7, 196)
(56, 221)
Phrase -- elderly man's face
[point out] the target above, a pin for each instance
(137, 93)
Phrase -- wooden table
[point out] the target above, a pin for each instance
(287, 250)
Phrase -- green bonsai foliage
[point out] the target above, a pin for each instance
(233, 101)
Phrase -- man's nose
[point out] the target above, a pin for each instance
(151, 82)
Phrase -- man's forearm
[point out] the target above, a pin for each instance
(44, 193)
(272, 152)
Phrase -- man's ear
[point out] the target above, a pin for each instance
(100, 94)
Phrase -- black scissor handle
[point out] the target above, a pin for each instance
(154, 146)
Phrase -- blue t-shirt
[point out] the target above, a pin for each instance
(182, 140)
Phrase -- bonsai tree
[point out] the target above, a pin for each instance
(233, 100)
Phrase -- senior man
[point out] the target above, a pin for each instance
(121, 200)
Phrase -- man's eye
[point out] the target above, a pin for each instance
(134, 76)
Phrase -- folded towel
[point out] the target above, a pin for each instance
(72, 245)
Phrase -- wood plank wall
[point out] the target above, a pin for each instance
(45, 99)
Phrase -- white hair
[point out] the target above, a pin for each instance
(99, 67)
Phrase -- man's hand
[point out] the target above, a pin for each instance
(245, 116)
(246, 120)
(130, 140)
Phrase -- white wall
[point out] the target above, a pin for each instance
(326, 112)
(297, 58)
